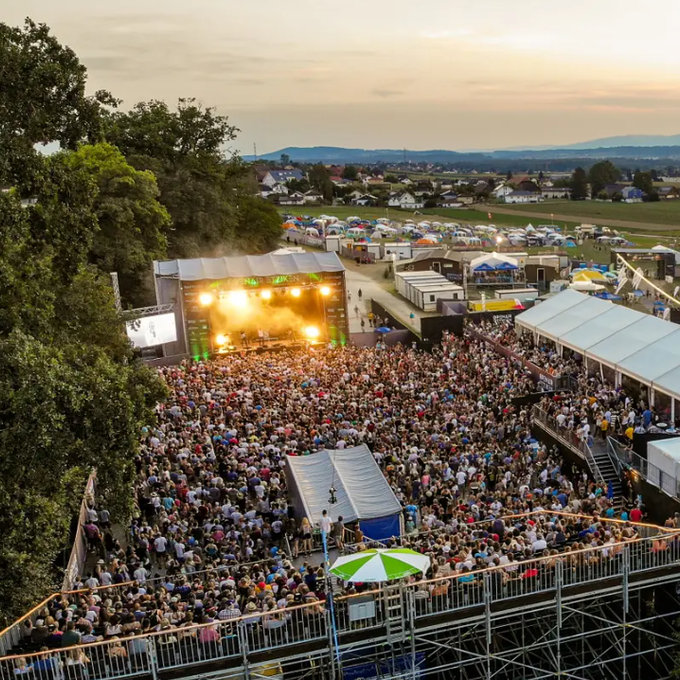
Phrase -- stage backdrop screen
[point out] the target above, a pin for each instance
(150, 331)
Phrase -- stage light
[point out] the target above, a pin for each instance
(312, 332)
(295, 292)
(266, 294)
(221, 340)
(325, 290)
(238, 298)
(205, 299)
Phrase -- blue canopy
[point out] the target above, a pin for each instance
(506, 266)
(606, 295)
(638, 293)
(382, 329)
(484, 267)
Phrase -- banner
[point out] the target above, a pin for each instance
(637, 278)
(623, 278)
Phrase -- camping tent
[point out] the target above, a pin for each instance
(586, 286)
(362, 492)
(589, 275)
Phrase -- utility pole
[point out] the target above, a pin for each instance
(255, 150)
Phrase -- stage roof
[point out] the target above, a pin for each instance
(200, 269)
(362, 490)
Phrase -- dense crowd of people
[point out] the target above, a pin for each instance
(215, 537)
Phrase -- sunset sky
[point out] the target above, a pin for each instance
(434, 74)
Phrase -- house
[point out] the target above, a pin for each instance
(612, 189)
(502, 191)
(405, 201)
(556, 192)
(296, 198)
(366, 200)
(632, 195)
(445, 184)
(527, 185)
(523, 197)
(448, 199)
(312, 196)
(668, 192)
(281, 177)
(404, 179)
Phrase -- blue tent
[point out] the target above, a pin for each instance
(606, 295)
(506, 266)
(484, 267)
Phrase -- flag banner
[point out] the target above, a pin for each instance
(637, 278)
(666, 313)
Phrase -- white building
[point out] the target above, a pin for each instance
(523, 197)
(405, 201)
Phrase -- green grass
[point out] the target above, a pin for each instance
(662, 212)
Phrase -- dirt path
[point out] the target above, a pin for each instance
(647, 227)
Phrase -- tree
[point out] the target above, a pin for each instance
(319, 179)
(579, 184)
(643, 181)
(199, 184)
(540, 175)
(351, 173)
(654, 174)
(391, 179)
(508, 176)
(71, 394)
(133, 225)
(285, 159)
(601, 174)
(42, 99)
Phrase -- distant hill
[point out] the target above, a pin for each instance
(597, 149)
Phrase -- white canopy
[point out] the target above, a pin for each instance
(492, 260)
(633, 343)
(362, 490)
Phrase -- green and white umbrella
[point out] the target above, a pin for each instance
(377, 565)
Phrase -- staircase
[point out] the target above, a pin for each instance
(606, 469)
(395, 619)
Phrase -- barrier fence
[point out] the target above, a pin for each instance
(78, 556)
(277, 629)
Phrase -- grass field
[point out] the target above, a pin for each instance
(662, 212)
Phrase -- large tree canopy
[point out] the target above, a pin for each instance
(133, 225)
(200, 184)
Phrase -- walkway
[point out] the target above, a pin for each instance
(372, 290)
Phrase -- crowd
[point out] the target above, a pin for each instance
(215, 537)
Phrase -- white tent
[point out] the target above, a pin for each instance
(663, 456)
(362, 492)
(492, 261)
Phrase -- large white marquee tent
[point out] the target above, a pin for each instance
(634, 344)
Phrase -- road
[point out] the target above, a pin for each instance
(617, 224)
(370, 289)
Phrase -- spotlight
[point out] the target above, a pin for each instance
(238, 298)
(205, 299)
(312, 332)
(325, 290)
(221, 340)
(266, 294)
(295, 292)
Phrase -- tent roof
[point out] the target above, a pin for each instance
(655, 360)
(362, 490)
(492, 260)
(669, 447)
(572, 318)
(199, 269)
(631, 339)
(669, 382)
(599, 328)
(551, 307)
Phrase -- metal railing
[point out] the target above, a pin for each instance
(278, 629)
(628, 459)
(569, 438)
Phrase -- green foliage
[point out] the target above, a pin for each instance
(319, 179)
(643, 181)
(199, 185)
(42, 99)
(350, 173)
(133, 225)
(579, 184)
(601, 174)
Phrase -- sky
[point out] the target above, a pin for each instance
(433, 74)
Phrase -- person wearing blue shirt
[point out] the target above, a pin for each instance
(647, 417)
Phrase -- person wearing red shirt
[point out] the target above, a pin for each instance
(636, 515)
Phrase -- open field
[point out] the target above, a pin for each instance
(663, 215)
